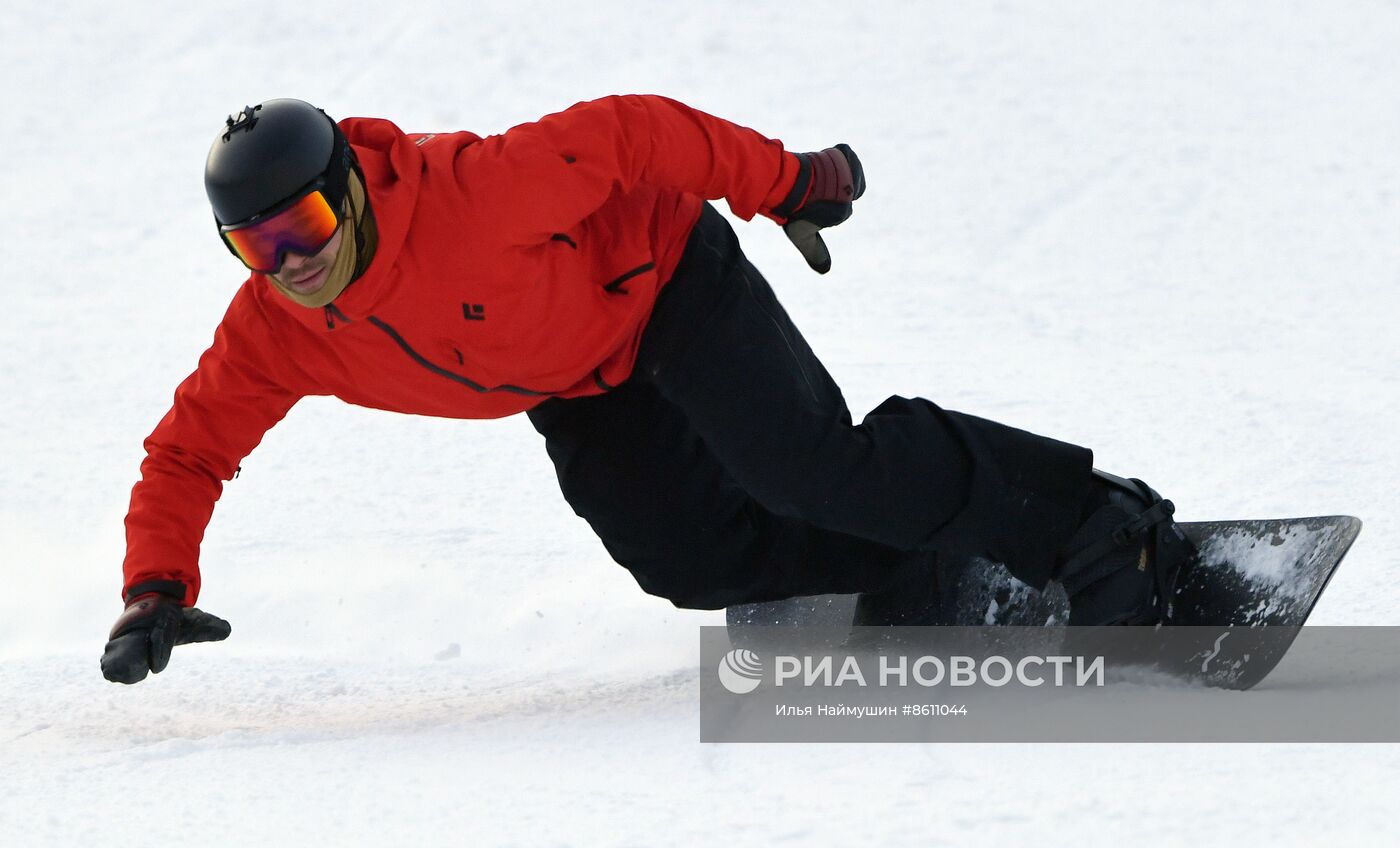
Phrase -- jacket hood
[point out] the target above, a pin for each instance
(392, 164)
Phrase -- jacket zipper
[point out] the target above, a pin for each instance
(615, 287)
(443, 372)
(333, 312)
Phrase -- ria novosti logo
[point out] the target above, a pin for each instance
(741, 671)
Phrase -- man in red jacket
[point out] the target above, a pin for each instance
(571, 269)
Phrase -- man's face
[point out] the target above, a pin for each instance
(306, 274)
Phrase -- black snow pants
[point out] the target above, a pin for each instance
(727, 469)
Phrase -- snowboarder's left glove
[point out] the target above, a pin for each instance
(146, 632)
(828, 182)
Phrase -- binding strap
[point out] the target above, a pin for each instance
(1092, 562)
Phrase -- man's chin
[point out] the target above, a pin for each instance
(308, 285)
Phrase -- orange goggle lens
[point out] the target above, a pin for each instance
(303, 227)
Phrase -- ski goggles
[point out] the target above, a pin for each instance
(304, 224)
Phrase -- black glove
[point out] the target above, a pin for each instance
(152, 625)
(827, 184)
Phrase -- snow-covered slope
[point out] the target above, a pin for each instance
(1171, 233)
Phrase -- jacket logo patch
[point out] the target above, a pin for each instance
(474, 311)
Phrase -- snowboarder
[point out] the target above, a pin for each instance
(571, 269)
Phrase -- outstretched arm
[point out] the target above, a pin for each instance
(221, 411)
(543, 177)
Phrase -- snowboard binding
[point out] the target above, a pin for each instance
(1122, 565)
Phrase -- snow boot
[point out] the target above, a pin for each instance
(1121, 565)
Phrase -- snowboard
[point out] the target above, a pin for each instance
(1249, 588)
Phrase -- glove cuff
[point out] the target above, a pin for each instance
(144, 612)
(798, 194)
(172, 588)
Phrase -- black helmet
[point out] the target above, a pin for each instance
(269, 153)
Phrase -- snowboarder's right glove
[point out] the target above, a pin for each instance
(828, 182)
(152, 625)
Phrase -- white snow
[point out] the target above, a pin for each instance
(1167, 231)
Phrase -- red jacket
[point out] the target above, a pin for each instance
(509, 269)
